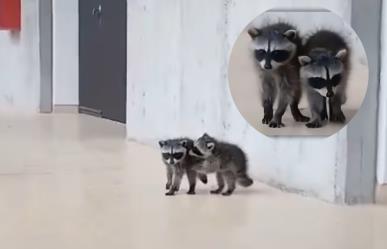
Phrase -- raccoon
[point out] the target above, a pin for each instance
(324, 74)
(228, 161)
(276, 49)
(178, 161)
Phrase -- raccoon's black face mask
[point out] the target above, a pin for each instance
(197, 152)
(276, 55)
(330, 84)
(176, 156)
(172, 151)
(272, 48)
(323, 70)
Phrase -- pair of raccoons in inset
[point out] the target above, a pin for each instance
(318, 65)
(197, 158)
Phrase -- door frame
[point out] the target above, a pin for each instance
(362, 131)
(103, 59)
(46, 56)
(382, 122)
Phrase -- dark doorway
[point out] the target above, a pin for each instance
(102, 58)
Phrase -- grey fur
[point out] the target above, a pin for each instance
(279, 76)
(228, 161)
(177, 167)
(324, 74)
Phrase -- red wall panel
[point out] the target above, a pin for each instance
(10, 14)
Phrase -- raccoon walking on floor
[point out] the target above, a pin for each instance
(276, 49)
(228, 161)
(324, 74)
(178, 161)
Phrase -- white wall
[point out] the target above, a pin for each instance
(65, 52)
(177, 86)
(19, 63)
(382, 132)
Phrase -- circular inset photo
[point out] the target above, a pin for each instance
(298, 73)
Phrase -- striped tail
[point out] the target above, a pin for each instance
(244, 180)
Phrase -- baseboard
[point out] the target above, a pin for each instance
(65, 108)
(381, 194)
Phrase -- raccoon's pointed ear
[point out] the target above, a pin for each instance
(210, 146)
(184, 142)
(291, 34)
(304, 60)
(341, 54)
(161, 143)
(254, 32)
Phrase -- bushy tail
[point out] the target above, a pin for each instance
(203, 178)
(244, 180)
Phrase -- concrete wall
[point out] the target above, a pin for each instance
(65, 45)
(19, 63)
(178, 86)
(382, 132)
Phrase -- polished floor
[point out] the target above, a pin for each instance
(70, 181)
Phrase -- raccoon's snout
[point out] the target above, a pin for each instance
(268, 65)
(330, 94)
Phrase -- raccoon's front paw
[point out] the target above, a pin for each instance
(168, 185)
(169, 193)
(191, 192)
(266, 119)
(301, 118)
(314, 124)
(172, 190)
(216, 191)
(228, 192)
(276, 124)
(338, 117)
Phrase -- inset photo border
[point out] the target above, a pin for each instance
(298, 73)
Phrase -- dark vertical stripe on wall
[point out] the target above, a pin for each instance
(360, 179)
(45, 54)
